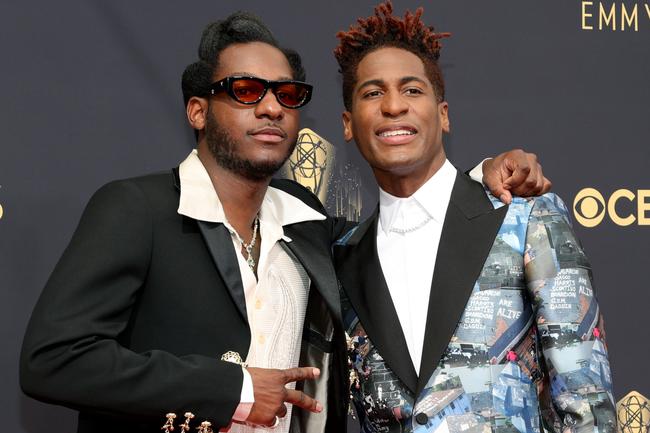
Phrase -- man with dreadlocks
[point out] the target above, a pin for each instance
(463, 314)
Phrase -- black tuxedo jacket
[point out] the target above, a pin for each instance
(144, 301)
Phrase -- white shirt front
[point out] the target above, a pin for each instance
(408, 235)
(277, 300)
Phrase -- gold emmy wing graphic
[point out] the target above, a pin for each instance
(633, 413)
(311, 163)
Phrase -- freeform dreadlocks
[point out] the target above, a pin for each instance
(383, 29)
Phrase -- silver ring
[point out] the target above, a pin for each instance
(276, 422)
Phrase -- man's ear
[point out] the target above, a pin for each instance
(197, 111)
(443, 110)
(347, 125)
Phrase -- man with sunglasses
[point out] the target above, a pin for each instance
(199, 291)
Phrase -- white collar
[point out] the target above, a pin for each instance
(199, 199)
(432, 198)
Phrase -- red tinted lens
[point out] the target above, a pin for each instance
(291, 94)
(247, 90)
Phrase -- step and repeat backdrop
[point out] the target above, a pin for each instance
(91, 93)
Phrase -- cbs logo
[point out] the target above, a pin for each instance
(590, 207)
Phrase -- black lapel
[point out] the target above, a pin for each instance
(316, 261)
(470, 227)
(219, 242)
(360, 273)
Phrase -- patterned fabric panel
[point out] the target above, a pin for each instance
(527, 354)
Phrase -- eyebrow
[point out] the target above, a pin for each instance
(382, 83)
(408, 79)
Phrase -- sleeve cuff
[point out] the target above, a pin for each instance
(477, 172)
(246, 399)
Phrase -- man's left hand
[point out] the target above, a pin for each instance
(515, 173)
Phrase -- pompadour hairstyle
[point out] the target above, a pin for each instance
(383, 29)
(240, 27)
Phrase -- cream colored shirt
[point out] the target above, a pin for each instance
(277, 300)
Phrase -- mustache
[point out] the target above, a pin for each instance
(270, 127)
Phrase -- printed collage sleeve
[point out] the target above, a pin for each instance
(576, 392)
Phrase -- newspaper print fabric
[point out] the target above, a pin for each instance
(528, 354)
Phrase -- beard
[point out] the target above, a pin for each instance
(224, 150)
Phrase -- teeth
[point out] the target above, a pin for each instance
(396, 132)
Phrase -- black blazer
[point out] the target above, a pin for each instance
(144, 301)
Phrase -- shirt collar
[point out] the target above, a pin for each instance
(200, 201)
(432, 199)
